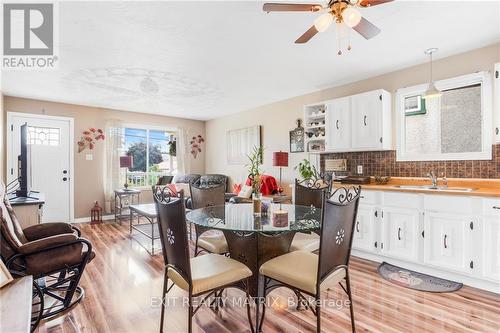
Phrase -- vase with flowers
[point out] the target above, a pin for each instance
(254, 172)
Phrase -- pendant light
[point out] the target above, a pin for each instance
(432, 91)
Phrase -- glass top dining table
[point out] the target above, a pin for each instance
(240, 218)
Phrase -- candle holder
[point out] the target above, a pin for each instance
(280, 218)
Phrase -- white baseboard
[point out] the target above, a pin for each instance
(87, 219)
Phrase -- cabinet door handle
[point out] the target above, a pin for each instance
(496, 207)
(399, 233)
(337, 124)
(445, 244)
(364, 120)
(357, 226)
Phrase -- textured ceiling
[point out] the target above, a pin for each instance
(203, 60)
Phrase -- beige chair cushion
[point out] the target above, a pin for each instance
(211, 271)
(305, 242)
(299, 269)
(213, 243)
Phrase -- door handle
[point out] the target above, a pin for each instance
(337, 124)
(364, 120)
(496, 207)
(357, 226)
(65, 179)
(444, 241)
(399, 233)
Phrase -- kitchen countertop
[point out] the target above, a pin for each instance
(482, 187)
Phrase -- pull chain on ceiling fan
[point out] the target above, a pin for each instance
(338, 11)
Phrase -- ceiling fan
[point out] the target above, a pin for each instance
(340, 11)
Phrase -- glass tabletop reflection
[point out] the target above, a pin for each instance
(240, 217)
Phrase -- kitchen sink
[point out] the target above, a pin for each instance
(436, 188)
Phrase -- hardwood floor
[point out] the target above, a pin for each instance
(123, 282)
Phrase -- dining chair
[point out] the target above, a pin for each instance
(202, 276)
(321, 271)
(202, 197)
(308, 192)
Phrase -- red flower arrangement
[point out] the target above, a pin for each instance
(89, 139)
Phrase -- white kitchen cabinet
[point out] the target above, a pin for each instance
(365, 229)
(400, 233)
(496, 103)
(447, 241)
(371, 126)
(338, 124)
(491, 248)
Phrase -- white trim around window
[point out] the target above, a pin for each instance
(483, 78)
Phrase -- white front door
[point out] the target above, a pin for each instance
(51, 155)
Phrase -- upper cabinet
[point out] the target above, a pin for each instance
(338, 124)
(360, 122)
(371, 121)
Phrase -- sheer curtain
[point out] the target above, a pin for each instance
(183, 166)
(112, 173)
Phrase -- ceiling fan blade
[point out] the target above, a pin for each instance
(366, 29)
(307, 35)
(291, 7)
(369, 3)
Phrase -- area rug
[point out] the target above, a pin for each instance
(418, 281)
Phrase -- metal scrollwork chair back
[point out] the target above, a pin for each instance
(202, 197)
(172, 227)
(309, 192)
(339, 217)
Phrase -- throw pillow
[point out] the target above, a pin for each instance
(173, 189)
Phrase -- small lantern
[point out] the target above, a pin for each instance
(96, 213)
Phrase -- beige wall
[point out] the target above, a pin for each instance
(278, 118)
(89, 174)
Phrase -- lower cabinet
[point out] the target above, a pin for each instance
(447, 241)
(444, 236)
(491, 248)
(400, 233)
(365, 228)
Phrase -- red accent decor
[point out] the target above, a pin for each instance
(126, 162)
(280, 159)
(236, 188)
(96, 213)
(173, 189)
(268, 185)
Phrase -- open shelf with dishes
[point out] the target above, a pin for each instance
(315, 127)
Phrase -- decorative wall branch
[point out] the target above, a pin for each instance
(196, 143)
(89, 139)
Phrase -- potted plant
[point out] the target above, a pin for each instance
(254, 172)
(307, 170)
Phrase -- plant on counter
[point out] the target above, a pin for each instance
(307, 170)
(254, 172)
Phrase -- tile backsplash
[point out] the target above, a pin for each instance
(383, 163)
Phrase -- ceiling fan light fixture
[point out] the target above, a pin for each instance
(351, 16)
(323, 22)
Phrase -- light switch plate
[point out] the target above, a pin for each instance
(88, 157)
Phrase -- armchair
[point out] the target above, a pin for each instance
(54, 253)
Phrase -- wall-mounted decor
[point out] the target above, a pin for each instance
(297, 144)
(240, 144)
(414, 105)
(196, 143)
(89, 139)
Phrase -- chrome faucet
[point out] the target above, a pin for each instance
(433, 177)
